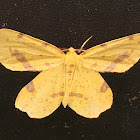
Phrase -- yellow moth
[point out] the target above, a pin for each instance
(69, 78)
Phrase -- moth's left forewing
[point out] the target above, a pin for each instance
(114, 56)
(21, 52)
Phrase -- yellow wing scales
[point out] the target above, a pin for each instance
(71, 79)
(44, 94)
(114, 56)
(21, 52)
(90, 94)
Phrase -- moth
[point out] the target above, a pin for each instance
(70, 78)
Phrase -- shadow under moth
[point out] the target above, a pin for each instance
(70, 78)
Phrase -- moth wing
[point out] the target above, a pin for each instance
(43, 95)
(90, 94)
(21, 52)
(114, 56)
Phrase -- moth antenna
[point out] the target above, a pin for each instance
(79, 50)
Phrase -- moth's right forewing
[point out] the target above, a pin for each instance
(114, 56)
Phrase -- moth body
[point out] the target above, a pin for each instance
(70, 63)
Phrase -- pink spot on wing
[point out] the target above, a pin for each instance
(56, 94)
(20, 57)
(122, 57)
(103, 45)
(110, 67)
(44, 44)
(76, 95)
(48, 65)
(20, 35)
(94, 65)
(117, 60)
(130, 37)
(30, 87)
(104, 87)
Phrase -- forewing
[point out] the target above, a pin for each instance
(21, 52)
(43, 95)
(114, 56)
(90, 94)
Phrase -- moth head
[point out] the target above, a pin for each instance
(71, 49)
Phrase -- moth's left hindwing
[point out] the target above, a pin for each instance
(114, 56)
(21, 52)
(44, 94)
